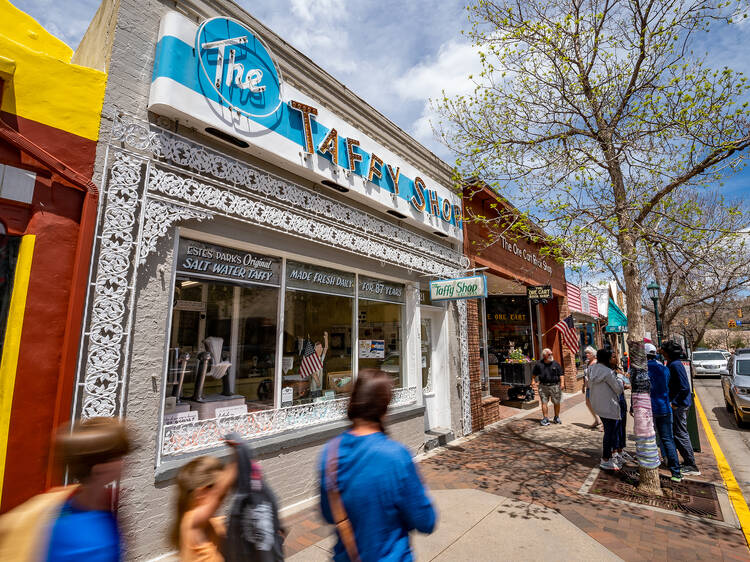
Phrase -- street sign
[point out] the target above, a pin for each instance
(474, 287)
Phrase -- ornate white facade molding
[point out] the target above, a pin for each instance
(109, 326)
(187, 437)
(159, 216)
(463, 336)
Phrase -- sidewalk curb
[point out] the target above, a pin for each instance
(733, 489)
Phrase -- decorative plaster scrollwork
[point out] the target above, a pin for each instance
(463, 336)
(159, 216)
(204, 434)
(204, 161)
(114, 265)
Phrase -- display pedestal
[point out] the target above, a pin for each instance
(172, 407)
(207, 409)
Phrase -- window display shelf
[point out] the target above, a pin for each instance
(193, 436)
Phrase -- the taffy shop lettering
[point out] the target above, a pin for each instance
(458, 289)
(236, 75)
(424, 199)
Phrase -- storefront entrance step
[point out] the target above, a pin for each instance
(437, 437)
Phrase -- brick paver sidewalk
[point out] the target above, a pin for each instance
(547, 466)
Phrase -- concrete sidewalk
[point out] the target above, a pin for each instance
(517, 491)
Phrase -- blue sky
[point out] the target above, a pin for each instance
(394, 54)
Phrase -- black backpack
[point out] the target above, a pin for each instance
(254, 532)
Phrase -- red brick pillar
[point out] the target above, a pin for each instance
(475, 376)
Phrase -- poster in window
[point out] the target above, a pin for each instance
(371, 349)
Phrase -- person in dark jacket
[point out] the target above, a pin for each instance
(661, 408)
(680, 399)
(549, 375)
(375, 479)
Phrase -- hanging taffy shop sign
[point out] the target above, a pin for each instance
(220, 78)
(463, 288)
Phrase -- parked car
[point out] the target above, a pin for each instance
(736, 386)
(710, 362)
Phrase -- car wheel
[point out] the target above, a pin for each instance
(738, 417)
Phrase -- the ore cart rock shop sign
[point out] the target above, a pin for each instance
(463, 288)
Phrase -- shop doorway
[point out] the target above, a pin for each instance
(435, 372)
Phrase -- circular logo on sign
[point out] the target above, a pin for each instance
(237, 67)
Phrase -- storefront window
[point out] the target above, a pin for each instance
(508, 328)
(380, 316)
(223, 336)
(318, 317)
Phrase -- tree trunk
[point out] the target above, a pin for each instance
(647, 452)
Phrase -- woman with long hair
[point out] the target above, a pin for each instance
(369, 485)
(590, 358)
(605, 399)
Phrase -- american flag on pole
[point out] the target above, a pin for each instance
(568, 333)
(310, 363)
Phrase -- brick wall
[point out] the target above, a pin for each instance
(572, 382)
(475, 377)
(490, 410)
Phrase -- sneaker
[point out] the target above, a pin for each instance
(557, 419)
(676, 479)
(609, 465)
(544, 421)
(690, 470)
(617, 459)
(627, 457)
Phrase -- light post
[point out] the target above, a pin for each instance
(653, 291)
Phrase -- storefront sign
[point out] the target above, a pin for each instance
(209, 260)
(219, 77)
(321, 279)
(190, 306)
(375, 289)
(541, 294)
(532, 257)
(287, 396)
(463, 288)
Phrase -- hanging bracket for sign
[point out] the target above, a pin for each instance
(540, 294)
(474, 287)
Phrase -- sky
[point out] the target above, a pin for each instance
(395, 54)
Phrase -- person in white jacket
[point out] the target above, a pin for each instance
(605, 390)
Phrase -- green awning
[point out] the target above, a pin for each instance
(617, 322)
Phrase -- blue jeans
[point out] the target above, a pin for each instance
(611, 437)
(681, 437)
(665, 439)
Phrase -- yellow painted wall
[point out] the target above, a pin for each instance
(45, 87)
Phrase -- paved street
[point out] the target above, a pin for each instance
(520, 491)
(734, 442)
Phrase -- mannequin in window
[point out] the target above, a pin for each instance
(316, 378)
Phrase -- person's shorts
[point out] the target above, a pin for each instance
(549, 392)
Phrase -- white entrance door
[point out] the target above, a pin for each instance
(435, 375)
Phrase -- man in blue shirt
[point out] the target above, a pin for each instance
(680, 399)
(662, 411)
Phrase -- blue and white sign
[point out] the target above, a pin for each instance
(236, 65)
(220, 78)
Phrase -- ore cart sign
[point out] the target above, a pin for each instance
(539, 295)
(463, 288)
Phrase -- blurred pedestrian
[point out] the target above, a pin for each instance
(658, 375)
(680, 398)
(369, 485)
(605, 399)
(589, 355)
(74, 522)
(549, 375)
(202, 485)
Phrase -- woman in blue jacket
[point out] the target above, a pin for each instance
(369, 485)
